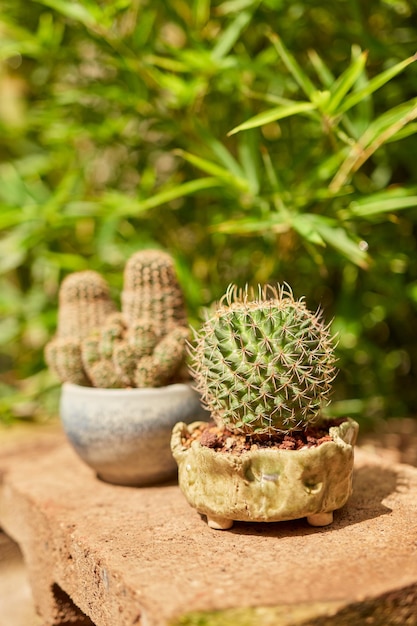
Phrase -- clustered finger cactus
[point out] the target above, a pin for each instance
(84, 305)
(263, 364)
(151, 291)
(144, 345)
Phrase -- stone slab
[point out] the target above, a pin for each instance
(16, 604)
(120, 556)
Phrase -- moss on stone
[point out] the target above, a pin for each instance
(395, 608)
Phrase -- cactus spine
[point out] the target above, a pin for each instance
(263, 364)
(142, 346)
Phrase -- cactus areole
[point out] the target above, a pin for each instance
(263, 363)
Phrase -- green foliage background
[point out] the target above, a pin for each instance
(257, 141)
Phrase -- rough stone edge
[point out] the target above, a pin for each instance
(393, 608)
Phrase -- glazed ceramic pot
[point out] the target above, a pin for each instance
(266, 485)
(124, 434)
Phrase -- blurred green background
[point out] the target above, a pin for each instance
(257, 141)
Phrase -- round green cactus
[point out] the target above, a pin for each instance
(263, 363)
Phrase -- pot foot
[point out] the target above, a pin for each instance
(320, 519)
(219, 523)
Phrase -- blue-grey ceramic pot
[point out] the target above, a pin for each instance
(124, 434)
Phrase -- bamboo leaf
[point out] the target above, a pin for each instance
(322, 230)
(271, 173)
(338, 238)
(272, 115)
(213, 169)
(233, 6)
(306, 228)
(14, 250)
(322, 71)
(204, 164)
(73, 10)
(250, 226)
(249, 154)
(71, 262)
(228, 38)
(382, 130)
(375, 83)
(386, 202)
(83, 208)
(165, 63)
(344, 83)
(12, 217)
(327, 79)
(201, 12)
(389, 123)
(293, 67)
(326, 168)
(221, 153)
(126, 207)
(406, 131)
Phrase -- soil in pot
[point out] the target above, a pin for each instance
(222, 440)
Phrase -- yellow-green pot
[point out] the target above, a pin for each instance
(266, 485)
